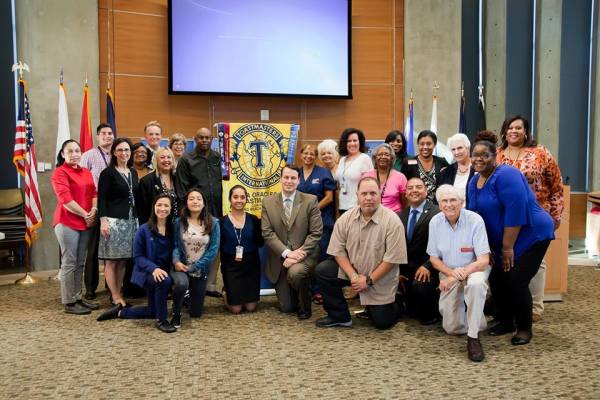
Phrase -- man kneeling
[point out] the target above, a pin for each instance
(458, 248)
(368, 244)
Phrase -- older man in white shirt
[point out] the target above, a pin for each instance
(458, 248)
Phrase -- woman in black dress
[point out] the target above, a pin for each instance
(240, 264)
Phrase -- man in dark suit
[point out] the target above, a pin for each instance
(419, 279)
(292, 227)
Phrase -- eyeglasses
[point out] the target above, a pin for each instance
(123, 150)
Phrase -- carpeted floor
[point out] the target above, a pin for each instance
(46, 354)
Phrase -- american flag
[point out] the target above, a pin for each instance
(26, 163)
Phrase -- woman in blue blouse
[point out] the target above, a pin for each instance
(519, 232)
(196, 244)
(241, 238)
(152, 254)
(318, 181)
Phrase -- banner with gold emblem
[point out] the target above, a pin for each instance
(253, 155)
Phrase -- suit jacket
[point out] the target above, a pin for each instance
(149, 187)
(305, 230)
(417, 247)
(113, 193)
(412, 170)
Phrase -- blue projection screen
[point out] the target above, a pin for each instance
(272, 47)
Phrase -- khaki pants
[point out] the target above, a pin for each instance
(537, 286)
(470, 293)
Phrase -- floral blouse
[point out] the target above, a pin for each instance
(542, 173)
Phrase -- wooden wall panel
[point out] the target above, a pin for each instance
(578, 215)
(372, 56)
(242, 109)
(142, 6)
(372, 13)
(139, 64)
(105, 39)
(371, 111)
(140, 44)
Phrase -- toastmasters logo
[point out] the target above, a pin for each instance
(258, 155)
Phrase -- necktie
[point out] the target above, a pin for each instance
(287, 209)
(412, 222)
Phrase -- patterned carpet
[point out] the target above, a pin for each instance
(46, 354)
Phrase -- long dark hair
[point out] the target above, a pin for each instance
(392, 136)
(153, 220)
(529, 142)
(205, 217)
(343, 147)
(60, 160)
(113, 158)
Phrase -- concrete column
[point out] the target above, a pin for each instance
(495, 63)
(432, 46)
(547, 103)
(52, 34)
(595, 153)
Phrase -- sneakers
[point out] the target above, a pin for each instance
(165, 326)
(176, 321)
(327, 322)
(77, 309)
(474, 349)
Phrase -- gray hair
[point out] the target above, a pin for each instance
(459, 137)
(328, 145)
(448, 189)
(388, 148)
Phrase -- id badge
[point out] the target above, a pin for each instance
(239, 253)
(343, 188)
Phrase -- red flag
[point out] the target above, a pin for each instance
(85, 129)
(26, 163)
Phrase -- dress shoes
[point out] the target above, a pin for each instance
(327, 322)
(521, 338)
(88, 304)
(77, 309)
(500, 329)
(302, 315)
(165, 326)
(364, 314)
(91, 295)
(474, 349)
(111, 313)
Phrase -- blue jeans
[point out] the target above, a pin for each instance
(157, 293)
(181, 283)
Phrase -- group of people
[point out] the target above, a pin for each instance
(409, 235)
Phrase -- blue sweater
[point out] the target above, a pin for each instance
(150, 251)
(203, 264)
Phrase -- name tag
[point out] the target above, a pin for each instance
(412, 162)
(316, 181)
(466, 250)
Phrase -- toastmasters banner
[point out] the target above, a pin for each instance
(253, 155)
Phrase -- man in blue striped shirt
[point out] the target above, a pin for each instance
(458, 248)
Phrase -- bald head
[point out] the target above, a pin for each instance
(203, 140)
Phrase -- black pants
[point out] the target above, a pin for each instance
(382, 316)
(510, 289)
(90, 271)
(422, 298)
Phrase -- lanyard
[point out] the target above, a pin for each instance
(103, 156)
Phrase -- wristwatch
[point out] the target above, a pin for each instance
(369, 281)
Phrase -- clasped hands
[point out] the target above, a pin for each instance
(359, 283)
(294, 257)
(90, 218)
(457, 275)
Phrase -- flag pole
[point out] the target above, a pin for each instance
(28, 279)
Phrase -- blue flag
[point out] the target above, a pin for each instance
(110, 112)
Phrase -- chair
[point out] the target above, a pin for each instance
(12, 221)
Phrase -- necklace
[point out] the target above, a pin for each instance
(486, 178)
(512, 161)
(464, 171)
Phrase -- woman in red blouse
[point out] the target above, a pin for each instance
(543, 175)
(74, 215)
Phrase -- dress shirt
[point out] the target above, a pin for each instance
(96, 160)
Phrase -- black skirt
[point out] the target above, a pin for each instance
(241, 278)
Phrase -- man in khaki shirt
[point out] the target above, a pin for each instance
(368, 243)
